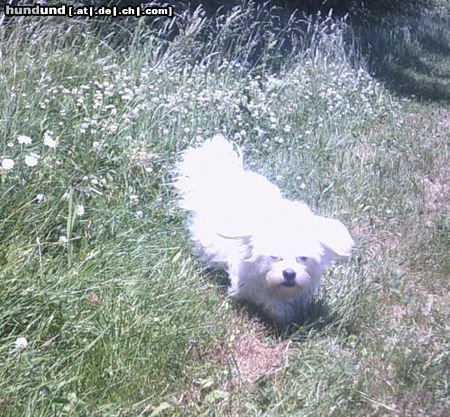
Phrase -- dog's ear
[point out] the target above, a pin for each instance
(334, 237)
(245, 239)
(242, 244)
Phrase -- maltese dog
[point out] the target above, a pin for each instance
(273, 249)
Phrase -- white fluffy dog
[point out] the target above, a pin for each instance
(273, 249)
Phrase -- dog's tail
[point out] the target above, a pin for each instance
(206, 173)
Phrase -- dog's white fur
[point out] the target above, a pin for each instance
(273, 249)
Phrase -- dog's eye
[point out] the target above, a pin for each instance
(276, 258)
(301, 259)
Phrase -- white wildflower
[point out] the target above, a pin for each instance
(49, 140)
(127, 94)
(8, 164)
(79, 210)
(24, 140)
(21, 343)
(139, 215)
(40, 198)
(63, 240)
(279, 139)
(31, 160)
(113, 128)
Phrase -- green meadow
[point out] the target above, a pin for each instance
(104, 309)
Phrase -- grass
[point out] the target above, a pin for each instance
(95, 264)
(409, 52)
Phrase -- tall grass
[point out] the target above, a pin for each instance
(96, 273)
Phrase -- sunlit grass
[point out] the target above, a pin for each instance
(104, 311)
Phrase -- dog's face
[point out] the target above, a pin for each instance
(290, 272)
(292, 275)
(292, 252)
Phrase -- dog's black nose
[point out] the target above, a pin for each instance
(289, 274)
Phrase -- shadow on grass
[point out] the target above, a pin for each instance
(410, 54)
(406, 44)
(403, 82)
(316, 316)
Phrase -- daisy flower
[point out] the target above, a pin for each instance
(20, 343)
(24, 140)
(31, 160)
(49, 140)
(8, 164)
(79, 210)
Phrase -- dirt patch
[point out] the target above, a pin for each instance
(437, 192)
(238, 364)
(251, 355)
